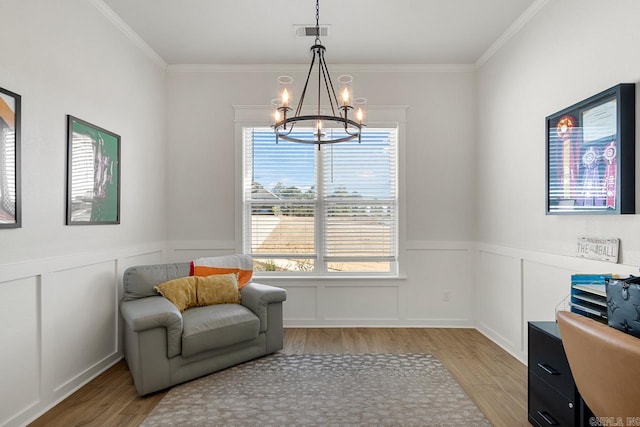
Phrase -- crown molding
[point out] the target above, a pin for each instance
(513, 29)
(361, 68)
(128, 32)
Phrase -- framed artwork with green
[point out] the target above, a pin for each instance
(93, 174)
(10, 206)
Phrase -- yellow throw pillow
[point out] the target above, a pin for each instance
(217, 289)
(181, 292)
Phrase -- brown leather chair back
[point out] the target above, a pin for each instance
(605, 364)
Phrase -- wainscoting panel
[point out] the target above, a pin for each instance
(70, 299)
(515, 286)
(544, 288)
(301, 303)
(441, 286)
(62, 325)
(428, 269)
(20, 355)
(499, 298)
(349, 303)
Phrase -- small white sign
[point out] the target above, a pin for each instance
(600, 248)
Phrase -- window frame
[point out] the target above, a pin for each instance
(378, 117)
(320, 206)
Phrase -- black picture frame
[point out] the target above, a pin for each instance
(590, 155)
(10, 135)
(93, 174)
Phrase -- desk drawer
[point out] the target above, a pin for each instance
(548, 361)
(548, 407)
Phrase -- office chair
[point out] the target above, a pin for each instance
(605, 364)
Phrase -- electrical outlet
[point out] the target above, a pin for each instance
(446, 296)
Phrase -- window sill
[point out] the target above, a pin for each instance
(332, 278)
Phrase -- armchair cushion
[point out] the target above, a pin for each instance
(208, 328)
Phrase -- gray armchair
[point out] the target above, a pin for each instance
(164, 347)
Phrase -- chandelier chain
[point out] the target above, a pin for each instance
(317, 21)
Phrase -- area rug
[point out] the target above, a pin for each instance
(321, 390)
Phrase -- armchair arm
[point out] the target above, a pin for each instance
(154, 312)
(256, 297)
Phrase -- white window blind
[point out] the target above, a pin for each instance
(329, 211)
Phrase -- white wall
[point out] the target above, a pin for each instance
(59, 285)
(437, 161)
(570, 50)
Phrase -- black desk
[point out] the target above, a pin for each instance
(553, 397)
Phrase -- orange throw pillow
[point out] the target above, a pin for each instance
(209, 266)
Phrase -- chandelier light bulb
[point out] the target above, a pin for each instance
(345, 86)
(284, 91)
(275, 106)
(345, 97)
(360, 106)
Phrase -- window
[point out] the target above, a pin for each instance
(327, 211)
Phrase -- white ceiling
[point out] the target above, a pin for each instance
(361, 31)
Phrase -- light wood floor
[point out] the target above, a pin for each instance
(494, 380)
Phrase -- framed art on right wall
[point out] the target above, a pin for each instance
(590, 155)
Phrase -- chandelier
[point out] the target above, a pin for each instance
(323, 125)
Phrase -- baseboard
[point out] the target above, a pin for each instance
(431, 323)
(502, 343)
(36, 411)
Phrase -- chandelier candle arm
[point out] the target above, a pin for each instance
(284, 123)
